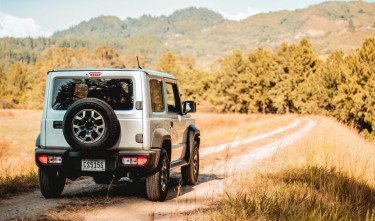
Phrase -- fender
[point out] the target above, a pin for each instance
(193, 134)
(158, 137)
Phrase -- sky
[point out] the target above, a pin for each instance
(22, 18)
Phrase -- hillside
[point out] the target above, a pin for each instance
(186, 21)
(204, 33)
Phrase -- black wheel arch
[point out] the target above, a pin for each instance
(193, 135)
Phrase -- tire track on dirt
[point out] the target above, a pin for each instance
(218, 176)
(215, 149)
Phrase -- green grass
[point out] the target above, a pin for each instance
(310, 193)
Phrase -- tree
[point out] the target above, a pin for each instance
(168, 63)
(107, 57)
(363, 66)
(294, 73)
(261, 66)
(231, 91)
(330, 76)
(17, 83)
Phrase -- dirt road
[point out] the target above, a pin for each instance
(221, 166)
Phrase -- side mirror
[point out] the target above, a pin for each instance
(189, 107)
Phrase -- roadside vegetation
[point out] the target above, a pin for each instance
(15, 177)
(290, 79)
(18, 130)
(309, 193)
(327, 176)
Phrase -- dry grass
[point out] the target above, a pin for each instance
(18, 130)
(310, 193)
(17, 174)
(329, 175)
(4, 148)
(338, 146)
(14, 179)
(221, 128)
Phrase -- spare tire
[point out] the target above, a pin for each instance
(91, 124)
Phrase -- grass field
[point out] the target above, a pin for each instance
(19, 128)
(18, 131)
(329, 175)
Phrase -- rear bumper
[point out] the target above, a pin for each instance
(72, 162)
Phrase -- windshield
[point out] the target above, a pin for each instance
(116, 92)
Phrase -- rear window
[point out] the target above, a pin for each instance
(116, 92)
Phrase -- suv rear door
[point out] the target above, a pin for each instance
(129, 117)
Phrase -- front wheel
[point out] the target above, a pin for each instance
(190, 173)
(51, 183)
(158, 182)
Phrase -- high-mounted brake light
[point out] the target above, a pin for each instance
(95, 74)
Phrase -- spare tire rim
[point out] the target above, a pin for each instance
(88, 126)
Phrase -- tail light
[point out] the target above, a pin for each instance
(134, 160)
(44, 159)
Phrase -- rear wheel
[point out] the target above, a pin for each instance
(190, 173)
(158, 182)
(51, 183)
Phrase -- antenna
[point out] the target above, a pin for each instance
(139, 66)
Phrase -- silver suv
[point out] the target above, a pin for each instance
(114, 123)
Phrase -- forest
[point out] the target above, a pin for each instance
(289, 79)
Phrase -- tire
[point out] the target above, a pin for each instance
(157, 183)
(91, 124)
(190, 173)
(51, 183)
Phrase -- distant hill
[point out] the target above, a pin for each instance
(206, 35)
(189, 20)
(203, 33)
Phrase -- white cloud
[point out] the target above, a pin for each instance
(241, 15)
(12, 26)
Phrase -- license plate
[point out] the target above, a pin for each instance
(93, 165)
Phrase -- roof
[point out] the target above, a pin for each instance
(149, 72)
(159, 74)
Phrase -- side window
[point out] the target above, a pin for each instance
(173, 98)
(156, 90)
